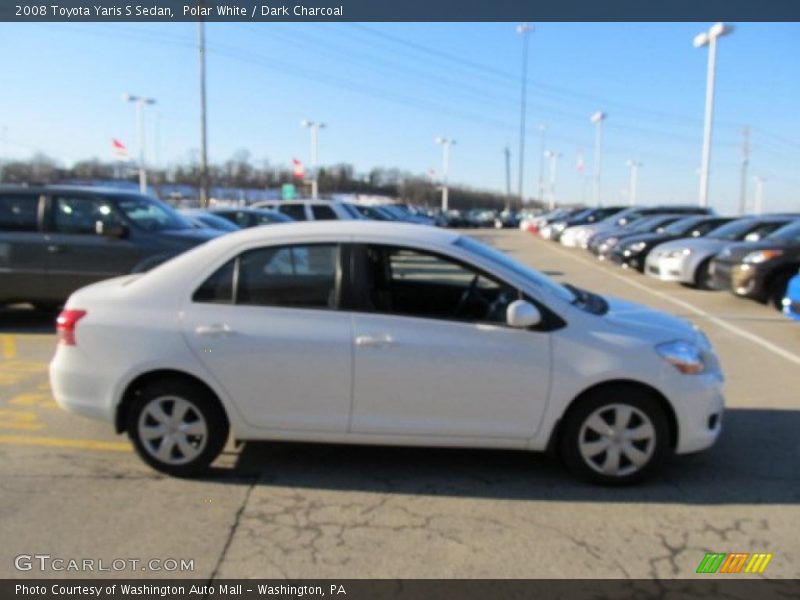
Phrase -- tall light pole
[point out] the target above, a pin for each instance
(201, 54)
(140, 102)
(523, 29)
(446, 143)
(598, 118)
(634, 172)
(507, 154)
(553, 158)
(709, 38)
(745, 162)
(758, 208)
(314, 127)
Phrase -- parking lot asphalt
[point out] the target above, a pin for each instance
(72, 489)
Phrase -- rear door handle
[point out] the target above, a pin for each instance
(374, 340)
(55, 249)
(213, 330)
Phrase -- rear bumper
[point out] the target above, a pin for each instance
(78, 386)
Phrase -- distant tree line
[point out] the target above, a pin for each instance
(242, 173)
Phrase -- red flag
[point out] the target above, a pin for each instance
(119, 149)
(299, 171)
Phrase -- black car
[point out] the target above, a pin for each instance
(251, 217)
(759, 270)
(203, 218)
(632, 251)
(54, 240)
(603, 244)
(585, 217)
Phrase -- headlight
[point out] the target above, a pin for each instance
(678, 253)
(684, 356)
(761, 256)
(637, 247)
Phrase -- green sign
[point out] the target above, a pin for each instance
(288, 191)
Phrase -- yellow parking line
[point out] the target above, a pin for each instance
(9, 346)
(30, 440)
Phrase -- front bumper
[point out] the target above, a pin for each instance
(738, 278)
(668, 269)
(699, 412)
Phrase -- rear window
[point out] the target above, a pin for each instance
(295, 211)
(19, 213)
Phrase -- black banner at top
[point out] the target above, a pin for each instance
(400, 10)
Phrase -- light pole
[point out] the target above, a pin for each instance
(709, 38)
(598, 118)
(634, 172)
(314, 127)
(445, 143)
(140, 102)
(553, 157)
(507, 154)
(759, 203)
(201, 52)
(523, 29)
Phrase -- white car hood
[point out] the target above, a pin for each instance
(699, 245)
(655, 324)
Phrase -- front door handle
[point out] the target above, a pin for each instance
(55, 249)
(374, 340)
(214, 330)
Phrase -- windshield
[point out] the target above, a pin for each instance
(682, 226)
(151, 214)
(787, 233)
(499, 258)
(732, 231)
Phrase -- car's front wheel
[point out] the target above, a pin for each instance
(177, 427)
(615, 436)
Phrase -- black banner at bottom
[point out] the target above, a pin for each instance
(400, 589)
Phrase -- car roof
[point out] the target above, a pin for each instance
(64, 188)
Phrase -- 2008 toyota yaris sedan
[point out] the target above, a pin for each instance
(381, 333)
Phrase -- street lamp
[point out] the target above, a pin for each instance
(709, 38)
(543, 130)
(446, 143)
(634, 167)
(553, 157)
(314, 127)
(523, 29)
(140, 102)
(598, 118)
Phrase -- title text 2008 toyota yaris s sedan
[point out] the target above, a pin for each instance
(381, 333)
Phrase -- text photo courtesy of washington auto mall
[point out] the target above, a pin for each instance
(420, 301)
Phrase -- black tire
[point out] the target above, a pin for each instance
(702, 278)
(777, 290)
(642, 403)
(203, 408)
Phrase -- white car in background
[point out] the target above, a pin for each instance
(687, 260)
(311, 210)
(381, 333)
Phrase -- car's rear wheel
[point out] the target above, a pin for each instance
(177, 427)
(615, 436)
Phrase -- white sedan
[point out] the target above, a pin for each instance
(381, 333)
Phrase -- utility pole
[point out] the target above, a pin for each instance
(445, 143)
(745, 162)
(759, 204)
(507, 154)
(523, 29)
(201, 46)
(634, 172)
(709, 38)
(598, 118)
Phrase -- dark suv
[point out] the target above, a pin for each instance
(759, 270)
(54, 240)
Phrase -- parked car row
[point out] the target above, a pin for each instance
(754, 256)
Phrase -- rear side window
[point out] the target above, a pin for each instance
(18, 213)
(323, 213)
(302, 276)
(295, 211)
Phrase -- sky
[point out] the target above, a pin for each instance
(386, 90)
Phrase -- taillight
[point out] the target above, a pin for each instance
(65, 325)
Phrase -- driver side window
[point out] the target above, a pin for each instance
(415, 283)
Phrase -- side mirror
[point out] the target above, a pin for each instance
(111, 230)
(522, 314)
